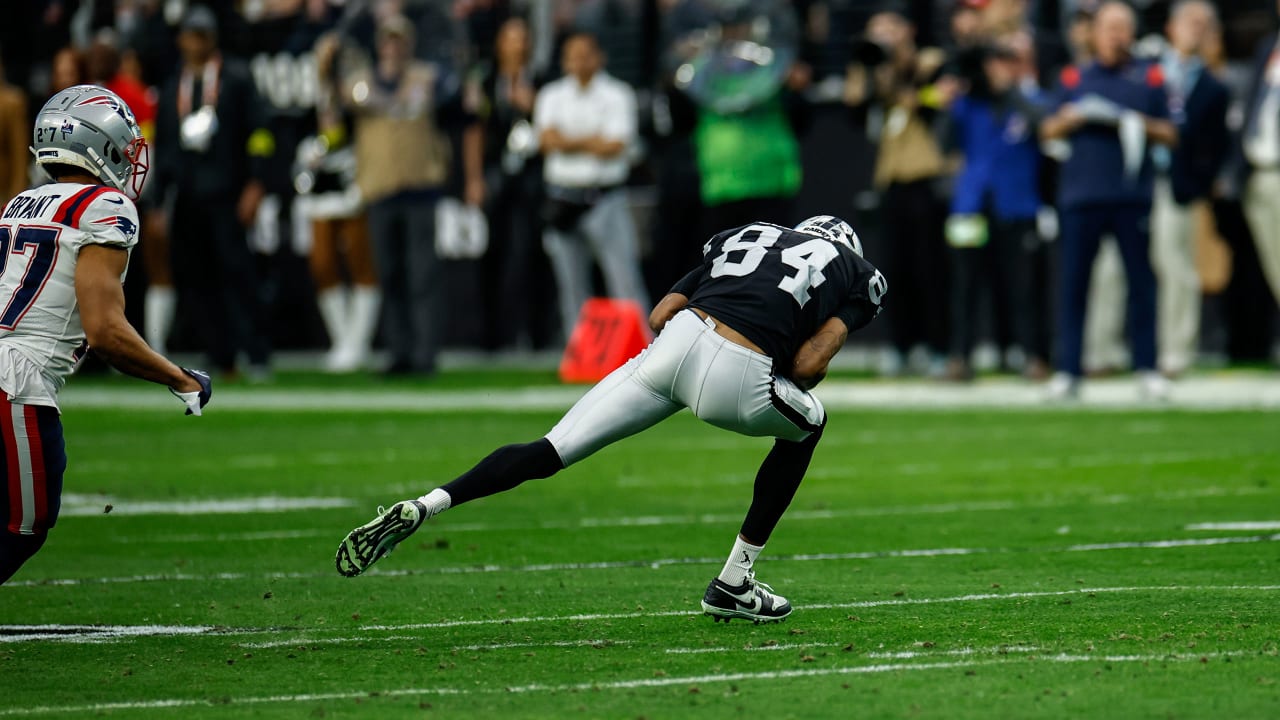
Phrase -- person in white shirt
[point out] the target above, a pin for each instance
(586, 123)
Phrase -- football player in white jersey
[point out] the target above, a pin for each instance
(743, 338)
(64, 249)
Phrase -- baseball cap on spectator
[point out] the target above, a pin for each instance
(199, 19)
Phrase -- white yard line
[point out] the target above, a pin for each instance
(226, 537)
(647, 682)
(657, 563)
(95, 633)
(560, 643)
(1247, 525)
(75, 504)
(307, 641)
(875, 655)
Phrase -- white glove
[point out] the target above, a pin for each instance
(196, 399)
(190, 399)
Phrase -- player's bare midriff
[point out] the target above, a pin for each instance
(729, 333)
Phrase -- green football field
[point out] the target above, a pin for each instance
(943, 564)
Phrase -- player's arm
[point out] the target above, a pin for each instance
(676, 300)
(101, 299)
(666, 309)
(810, 364)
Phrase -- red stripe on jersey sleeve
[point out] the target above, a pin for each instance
(78, 212)
(68, 206)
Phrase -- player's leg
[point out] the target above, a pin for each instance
(366, 296)
(388, 235)
(571, 264)
(33, 462)
(630, 399)
(739, 393)
(331, 297)
(161, 300)
(1082, 230)
(426, 287)
(1134, 240)
(611, 232)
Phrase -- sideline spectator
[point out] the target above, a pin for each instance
(891, 75)
(992, 227)
(1108, 110)
(209, 153)
(502, 93)
(745, 138)
(1198, 106)
(402, 167)
(586, 124)
(330, 201)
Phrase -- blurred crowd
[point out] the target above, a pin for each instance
(1052, 187)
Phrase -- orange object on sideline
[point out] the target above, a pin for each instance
(608, 333)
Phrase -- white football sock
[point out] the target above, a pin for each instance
(437, 501)
(739, 563)
(362, 321)
(333, 310)
(160, 303)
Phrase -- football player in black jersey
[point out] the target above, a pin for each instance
(742, 340)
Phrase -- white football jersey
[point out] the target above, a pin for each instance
(41, 233)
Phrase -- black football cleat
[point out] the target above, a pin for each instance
(752, 600)
(372, 541)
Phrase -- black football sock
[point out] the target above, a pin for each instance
(504, 469)
(776, 483)
(16, 549)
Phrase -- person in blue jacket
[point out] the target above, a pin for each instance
(1110, 111)
(992, 225)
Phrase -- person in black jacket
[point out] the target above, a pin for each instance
(1257, 170)
(1198, 106)
(501, 95)
(211, 146)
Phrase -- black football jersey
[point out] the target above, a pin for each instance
(777, 286)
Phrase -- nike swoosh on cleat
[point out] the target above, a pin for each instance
(752, 606)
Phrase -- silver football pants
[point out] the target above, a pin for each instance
(688, 365)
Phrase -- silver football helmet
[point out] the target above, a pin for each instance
(90, 127)
(831, 228)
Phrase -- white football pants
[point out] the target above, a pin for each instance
(688, 365)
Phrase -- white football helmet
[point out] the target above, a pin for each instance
(831, 228)
(90, 127)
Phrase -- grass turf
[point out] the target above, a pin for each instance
(943, 565)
